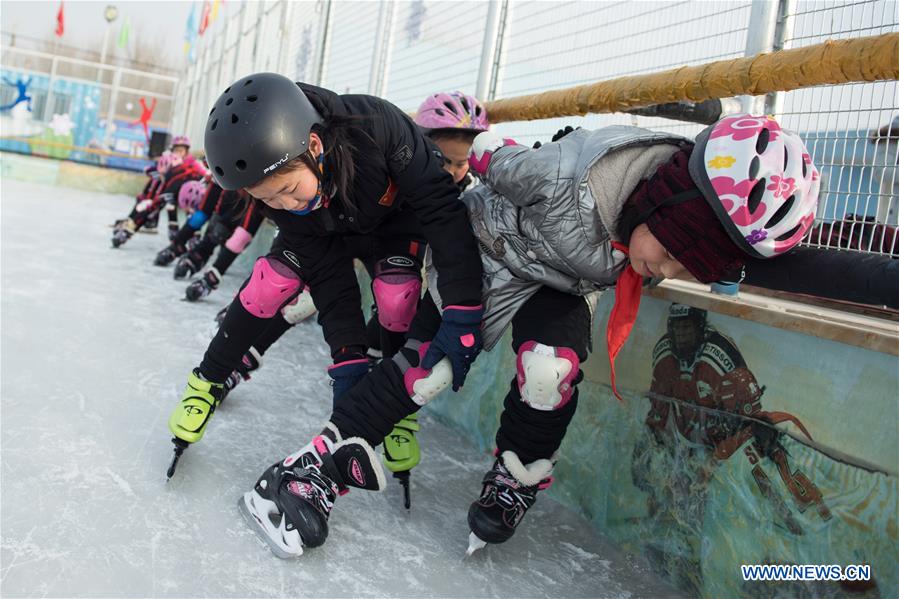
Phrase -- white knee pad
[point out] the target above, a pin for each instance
(546, 375)
(299, 309)
(424, 385)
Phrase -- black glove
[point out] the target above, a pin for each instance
(559, 135)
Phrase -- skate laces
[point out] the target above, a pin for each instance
(306, 481)
(508, 492)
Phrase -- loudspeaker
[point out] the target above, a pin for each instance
(159, 143)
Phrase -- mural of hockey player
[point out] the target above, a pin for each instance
(705, 408)
(21, 86)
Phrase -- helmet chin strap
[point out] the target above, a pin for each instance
(315, 202)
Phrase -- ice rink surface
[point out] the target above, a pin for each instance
(96, 348)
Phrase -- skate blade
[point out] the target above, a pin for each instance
(474, 543)
(260, 529)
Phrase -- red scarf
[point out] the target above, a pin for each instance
(624, 313)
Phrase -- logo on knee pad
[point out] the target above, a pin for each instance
(546, 375)
(292, 257)
(400, 261)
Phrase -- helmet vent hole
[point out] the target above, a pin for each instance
(227, 90)
(241, 165)
(804, 169)
(464, 103)
(755, 196)
(229, 101)
(754, 168)
(449, 107)
(762, 141)
(786, 158)
(439, 112)
(252, 98)
(214, 124)
(789, 233)
(234, 118)
(219, 171)
(213, 110)
(247, 82)
(781, 212)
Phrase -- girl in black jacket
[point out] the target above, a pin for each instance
(330, 168)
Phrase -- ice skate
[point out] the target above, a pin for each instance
(510, 489)
(289, 506)
(166, 256)
(123, 232)
(402, 454)
(188, 265)
(203, 286)
(189, 419)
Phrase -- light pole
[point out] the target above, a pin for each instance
(110, 15)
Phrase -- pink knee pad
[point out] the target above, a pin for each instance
(397, 290)
(239, 240)
(546, 375)
(271, 286)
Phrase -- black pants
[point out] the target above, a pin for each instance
(550, 317)
(246, 330)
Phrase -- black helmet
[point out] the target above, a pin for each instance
(685, 348)
(259, 123)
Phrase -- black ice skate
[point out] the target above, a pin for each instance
(123, 232)
(203, 286)
(289, 506)
(167, 255)
(510, 488)
(188, 265)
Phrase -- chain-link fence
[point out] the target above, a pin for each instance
(404, 51)
(82, 110)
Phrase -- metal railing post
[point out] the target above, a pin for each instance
(783, 31)
(53, 64)
(759, 39)
(497, 58)
(324, 43)
(380, 67)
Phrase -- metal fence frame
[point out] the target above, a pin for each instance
(586, 40)
(109, 79)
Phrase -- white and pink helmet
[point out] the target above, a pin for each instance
(760, 181)
(181, 140)
(190, 195)
(453, 110)
(167, 161)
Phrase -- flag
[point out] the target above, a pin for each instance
(190, 34)
(124, 32)
(215, 10)
(204, 19)
(60, 22)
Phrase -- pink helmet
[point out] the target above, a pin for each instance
(452, 111)
(760, 181)
(190, 195)
(167, 161)
(181, 140)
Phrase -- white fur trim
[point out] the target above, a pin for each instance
(528, 475)
(372, 458)
(333, 428)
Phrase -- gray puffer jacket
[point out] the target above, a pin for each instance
(548, 216)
